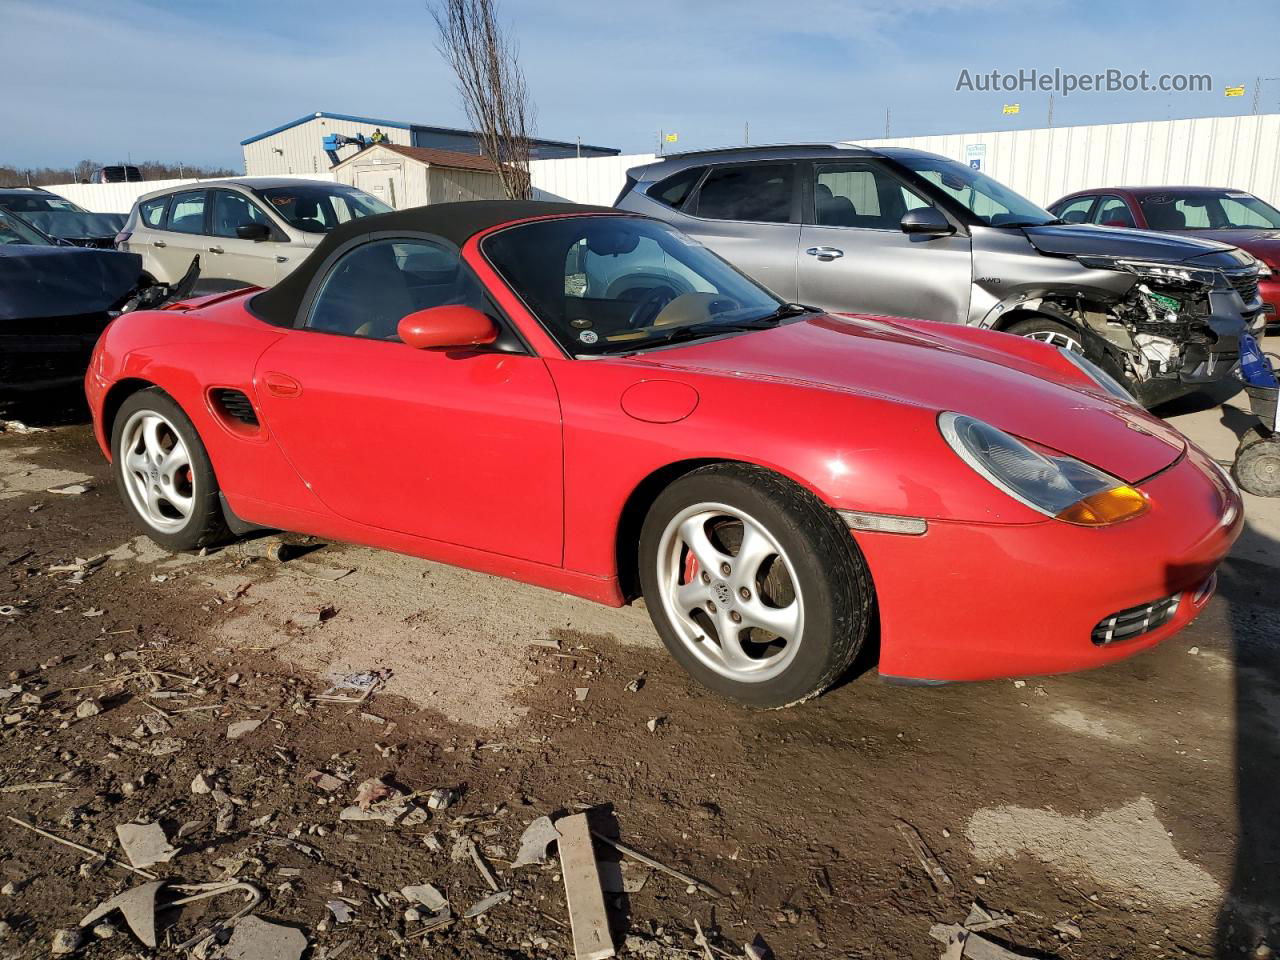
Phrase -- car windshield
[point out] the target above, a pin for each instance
(38, 203)
(1208, 210)
(611, 284)
(990, 201)
(15, 230)
(314, 208)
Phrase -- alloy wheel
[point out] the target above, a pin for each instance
(1057, 338)
(156, 468)
(730, 592)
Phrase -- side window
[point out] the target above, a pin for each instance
(187, 213)
(371, 288)
(1077, 211)
(760, 193)
(1113, 212)
(675, 189)
(152, 211)
(860, 195)
(231, 210)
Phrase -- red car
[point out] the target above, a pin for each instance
(1214, 213)
(590, 401)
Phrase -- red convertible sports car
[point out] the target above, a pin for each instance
(590, 401)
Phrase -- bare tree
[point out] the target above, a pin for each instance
(492, 86)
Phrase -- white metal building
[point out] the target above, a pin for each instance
(1241, 152)
(402, 176)
(298, 146)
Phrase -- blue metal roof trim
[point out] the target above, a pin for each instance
(331, 116)
(409, 126)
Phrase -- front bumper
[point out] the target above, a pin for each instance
(968, 601)
(1269, 290)
(48, 359)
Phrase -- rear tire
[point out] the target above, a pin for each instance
(163, 473)
(772, 600)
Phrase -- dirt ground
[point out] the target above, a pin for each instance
(1128, 812)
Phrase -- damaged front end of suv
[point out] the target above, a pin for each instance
(1163, 317)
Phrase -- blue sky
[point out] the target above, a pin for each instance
(188, 80)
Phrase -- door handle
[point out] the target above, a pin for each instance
(282, 259)
(282, 385)
(215, 249)
(159, 243)
(825, 253)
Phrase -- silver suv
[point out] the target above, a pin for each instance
(900, 232)
(247, 232)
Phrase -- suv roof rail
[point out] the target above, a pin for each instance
(762, 146)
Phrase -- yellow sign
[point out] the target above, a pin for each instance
(1013, 108)
(671, 137)
(1235, 91)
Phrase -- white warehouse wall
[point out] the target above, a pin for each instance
(596, 180)
(1241, 152)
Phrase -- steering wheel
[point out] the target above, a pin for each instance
(650, 305)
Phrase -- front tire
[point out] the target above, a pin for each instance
(755, 586)
(163, 473)
(1064, 335)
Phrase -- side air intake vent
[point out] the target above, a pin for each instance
(236, 405)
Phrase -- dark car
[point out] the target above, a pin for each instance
(56, 299)
(1215, 213)
(906, 233)
(61, 219)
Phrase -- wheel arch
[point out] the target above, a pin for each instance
(114, 399)
(636, 507)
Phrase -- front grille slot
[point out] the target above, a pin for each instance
(1134, 622)
(235, 404)
(1245, 284)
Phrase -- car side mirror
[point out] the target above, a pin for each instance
(256, 232)
(452, 326)
(927, 221)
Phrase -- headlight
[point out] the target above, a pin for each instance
(1264, 270)
(1098, 376)
(1058, 487)
(1148, 270)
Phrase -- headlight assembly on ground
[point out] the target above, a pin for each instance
(1058, 487)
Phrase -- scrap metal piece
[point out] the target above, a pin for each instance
(145, 844)
(488, 903)
(255, 939)
(937, 875)
(138, 907)
(535, 840)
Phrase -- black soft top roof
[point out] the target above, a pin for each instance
(454, 222)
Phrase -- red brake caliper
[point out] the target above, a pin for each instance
(690, 568)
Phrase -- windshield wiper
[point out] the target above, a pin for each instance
(710, 328)
(786, 310)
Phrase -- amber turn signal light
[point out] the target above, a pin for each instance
(1107, 507)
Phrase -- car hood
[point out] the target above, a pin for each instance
(874, 357)
(39, 282)
(1262, 243)
(1077, 240)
